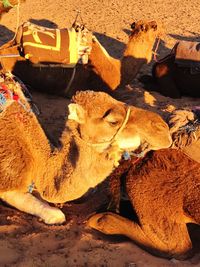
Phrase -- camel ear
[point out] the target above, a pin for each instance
(76, 113)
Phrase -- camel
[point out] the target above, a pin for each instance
(102, 70)
(97, 132)
(175, 77)
(163, 189)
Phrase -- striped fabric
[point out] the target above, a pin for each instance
(45, 45)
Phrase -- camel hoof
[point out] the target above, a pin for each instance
(102, 222)
(53, 216)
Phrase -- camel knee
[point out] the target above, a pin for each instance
(105, 223)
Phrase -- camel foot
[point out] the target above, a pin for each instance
(53, 215)
(106, 223)
(28, 203)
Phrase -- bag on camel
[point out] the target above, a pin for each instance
(187, 54)
(46, 45)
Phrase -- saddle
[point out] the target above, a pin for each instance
(42, 45)
(187, 54)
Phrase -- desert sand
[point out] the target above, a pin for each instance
(24, 240)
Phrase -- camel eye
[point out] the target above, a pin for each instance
(113, 123)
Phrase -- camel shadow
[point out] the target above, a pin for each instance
(194, 38)
(113, 46)
(44, 23)
(53, 115)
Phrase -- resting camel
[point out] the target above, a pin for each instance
(102, 71)
(97, 132)
(164, 190)
(175, 77)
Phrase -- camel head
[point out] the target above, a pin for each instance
(141, 39)
(102, 120)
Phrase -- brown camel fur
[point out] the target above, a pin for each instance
(172, 80)
(164, 191)
(111, 73)
(98, 130)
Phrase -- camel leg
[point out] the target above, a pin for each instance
(113, 224)
(115, 190)
(178, 247)
(28, 203)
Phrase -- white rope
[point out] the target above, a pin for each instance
(17, 21)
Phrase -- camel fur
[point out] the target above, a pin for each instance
(97, 132)
(163, 189)
(102, 71)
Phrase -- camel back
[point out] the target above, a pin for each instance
(42, 45)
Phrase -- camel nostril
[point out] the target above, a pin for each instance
(154, 25)
(133, 25)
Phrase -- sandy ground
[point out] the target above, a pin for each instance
(25, 241)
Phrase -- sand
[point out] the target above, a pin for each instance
(24, 240)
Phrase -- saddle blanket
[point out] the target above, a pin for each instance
(45, 45)
(187, 54)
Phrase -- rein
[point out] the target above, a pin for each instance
(155, 54)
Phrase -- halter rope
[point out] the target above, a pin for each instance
(115, 135)
(155, 54)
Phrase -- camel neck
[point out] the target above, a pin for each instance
(130, 66)
(72, 170)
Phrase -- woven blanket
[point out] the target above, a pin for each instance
(13, 90)
(42, 45)
(187, 54)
